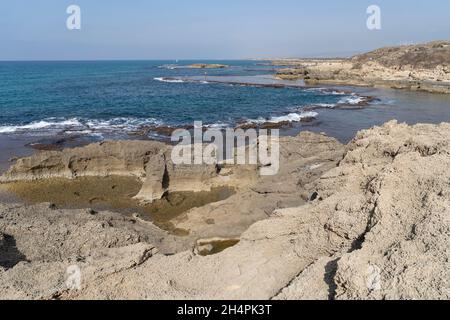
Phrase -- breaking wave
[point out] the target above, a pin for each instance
(291, 117)
(353, 100)
(80, 126)
(42, 124)
(169, 80)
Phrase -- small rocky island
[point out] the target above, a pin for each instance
(207, 66)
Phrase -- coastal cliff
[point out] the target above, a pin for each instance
(373, 223)
(424, 67)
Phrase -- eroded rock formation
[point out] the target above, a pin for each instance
(417, 67)
(375, 226)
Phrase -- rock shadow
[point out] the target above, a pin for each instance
(330, 273)
(9, 253)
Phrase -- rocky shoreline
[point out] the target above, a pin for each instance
(368, 220)
(415, 67)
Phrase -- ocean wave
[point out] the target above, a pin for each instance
(40, 125)
(353, 100)
(291, 117)
(169, 80)
(294, 117)
(324, 105)
(327, 91)
(169, 66)
(122, 123)
(314, 89)
(217, 125)
(80, 126)
(338, 93)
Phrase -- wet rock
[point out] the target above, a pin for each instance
(307, 119)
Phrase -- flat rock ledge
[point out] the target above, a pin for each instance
(377, 226)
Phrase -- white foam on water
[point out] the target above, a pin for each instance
(294, 117)
(218, 125)
(326, 91)
(169, 66)
(315, 89)
(338, 93)
(42, 124)
(352, 100)
(291, 117)
(80, 126)
(169, 80)
(324, 105)
(122, 123)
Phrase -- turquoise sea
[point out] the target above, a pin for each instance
(110, 99)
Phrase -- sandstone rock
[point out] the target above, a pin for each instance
(400, 190)
(316, 282)
(415, 67)
(380, 231)
(121, 158)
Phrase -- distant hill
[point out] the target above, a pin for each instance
(424, 67)
(424, 56)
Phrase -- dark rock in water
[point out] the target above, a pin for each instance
(207, 66)
(316, 107)
(144, 131)
(160, 130)
(349, 107)
(307, 119)
(165, 131)
(46, 146)
(60, 143)
(246, 126)
(276, 125)
(273, 125)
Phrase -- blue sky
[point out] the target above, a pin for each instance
(201, 29)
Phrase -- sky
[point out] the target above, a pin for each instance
(212, 29)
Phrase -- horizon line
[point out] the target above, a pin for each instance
(133, 59)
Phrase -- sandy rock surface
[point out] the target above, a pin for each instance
(400, 191)
(124, 158)
(376, 226)
(302, 159)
